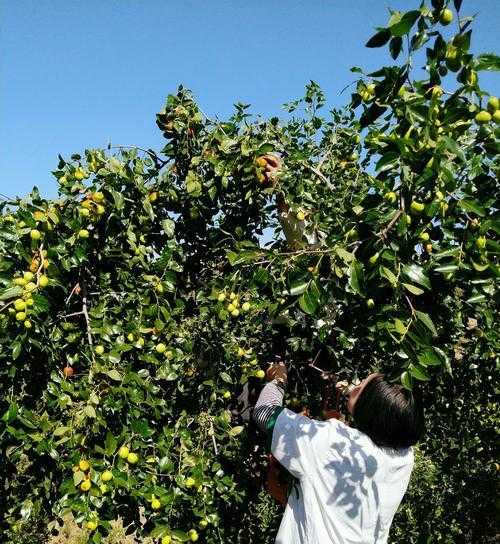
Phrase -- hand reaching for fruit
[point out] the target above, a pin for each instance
(277, 371)
(271, 164)
(345, 387)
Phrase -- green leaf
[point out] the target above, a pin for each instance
(388, 274)
(406, 380)
(402, 27)
(78, 477)
(16, 349)
(419, 373)
(299, 287)
(177, 534)
(41, 303)
(476, 298)
(379, 39)
(110, 443)
(60, 431)
(413, 289)
(416, 274)
(11, 292)
(489, 62)
(89, 411)
(193, 185)
(356, 277)
(399, 326)
(235, 431)
(309, 300)
(387, 161)
(226, 377)
(239, 257)
(470, 205)
(430, 357)
(114, 375)
(118, 198)
(427, 321)
(446, 268)
(395, 47)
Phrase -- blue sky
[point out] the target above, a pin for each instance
(77, 74)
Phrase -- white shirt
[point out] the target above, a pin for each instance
(348, 488)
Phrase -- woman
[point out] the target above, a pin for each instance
(350, 479)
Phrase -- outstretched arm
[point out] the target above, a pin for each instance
(270, 402)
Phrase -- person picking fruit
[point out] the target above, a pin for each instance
(350, 479)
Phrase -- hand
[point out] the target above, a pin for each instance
(277, 371)
(273, 166)
(345, 387)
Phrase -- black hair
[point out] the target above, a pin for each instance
(389, 414)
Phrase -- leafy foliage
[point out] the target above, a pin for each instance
(138, 307)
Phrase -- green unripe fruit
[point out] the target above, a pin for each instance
(27, 324)
(30, 286)
(493, 104)
(496, 117)
(245, 306)
(391, 197)
(19, 304)
(130, 337)
(132, 458)
(35, 234)
(370, 303)
(99, 350)
(91, 525)
(190, 482)
(481, 242)
(161, 348)
(352, 234)
(221, 297)
(260, 374)
(483, 117)
(446, 17)
(83, 233)
(106, 476)
(155, 504)
(374, 258)
(417, 207)
(203, 524)
(21, 316)
(84, 212)
(123, 452)
(424, 236)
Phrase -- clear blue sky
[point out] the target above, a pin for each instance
(78, 74)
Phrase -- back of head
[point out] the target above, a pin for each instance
(389, 414)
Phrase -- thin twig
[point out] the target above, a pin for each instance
(70, 315)
(87, 320)
(75, 288)
(212, 433)
(383, 233)
(410, 304)
(320, 175)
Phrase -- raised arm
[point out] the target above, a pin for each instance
(270, 402)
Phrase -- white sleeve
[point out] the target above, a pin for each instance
(295, 441)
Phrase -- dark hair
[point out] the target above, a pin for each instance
(389, 414)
